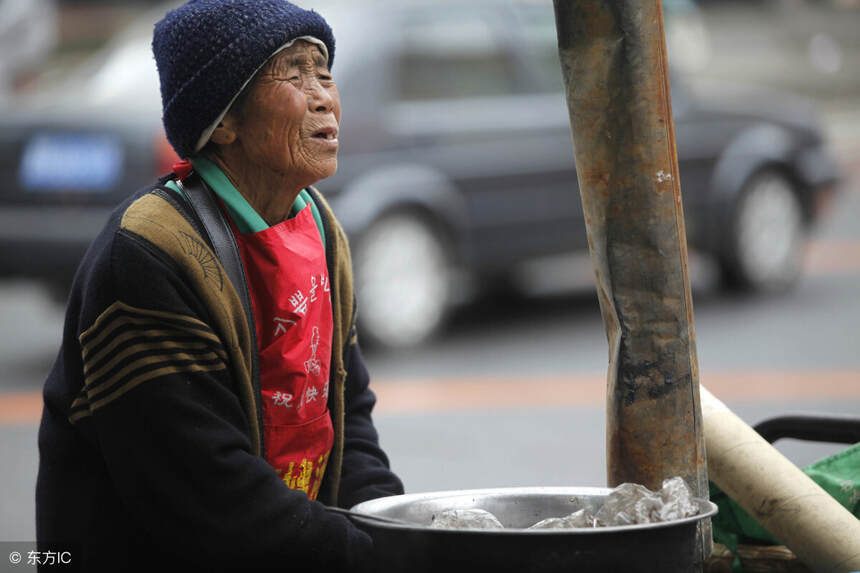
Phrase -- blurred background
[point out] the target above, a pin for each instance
(457, 187)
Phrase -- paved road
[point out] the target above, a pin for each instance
(512, 394)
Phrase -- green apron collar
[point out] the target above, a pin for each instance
(245, 217)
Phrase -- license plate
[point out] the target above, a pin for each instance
(71, 162)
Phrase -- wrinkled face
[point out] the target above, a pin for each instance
(288, 122)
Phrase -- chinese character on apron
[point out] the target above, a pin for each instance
(289, 283)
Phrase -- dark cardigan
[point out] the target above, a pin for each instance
(150, 441)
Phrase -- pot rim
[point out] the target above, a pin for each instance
(707, 509)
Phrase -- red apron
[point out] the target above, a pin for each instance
(288, 279)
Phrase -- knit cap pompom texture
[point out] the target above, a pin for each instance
(207, 49)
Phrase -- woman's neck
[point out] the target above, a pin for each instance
(271, 194)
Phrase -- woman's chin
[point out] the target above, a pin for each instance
(327, 169)
(307, 172)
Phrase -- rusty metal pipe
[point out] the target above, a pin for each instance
(613, 59)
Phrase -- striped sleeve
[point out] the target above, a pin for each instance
(127, 346)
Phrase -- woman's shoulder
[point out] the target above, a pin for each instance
(160, 221)
(153, 224)
(138, 204)
(331, 227)
(157, 208)
(146, 242)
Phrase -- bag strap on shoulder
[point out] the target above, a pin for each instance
(205, 206)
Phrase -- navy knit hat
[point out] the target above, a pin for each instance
(208, 50)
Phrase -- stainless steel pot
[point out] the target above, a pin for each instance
(659, 547)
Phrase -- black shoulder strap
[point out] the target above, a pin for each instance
(205, 206)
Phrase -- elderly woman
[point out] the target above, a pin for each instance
(210, 387)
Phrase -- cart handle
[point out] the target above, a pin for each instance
(817, 428)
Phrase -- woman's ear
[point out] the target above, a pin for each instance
(224, 134)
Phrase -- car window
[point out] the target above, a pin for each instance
(537, 23)
(688, 44)
(452, 56)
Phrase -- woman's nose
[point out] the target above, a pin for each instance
(319, 98)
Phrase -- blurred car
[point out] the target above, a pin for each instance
(74, 147)
(456, 159)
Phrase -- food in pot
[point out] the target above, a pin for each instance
(581, 518)
(631, 503)
(465, 519)
(627, 504)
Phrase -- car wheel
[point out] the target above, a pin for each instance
(768, 236)
(403, 281)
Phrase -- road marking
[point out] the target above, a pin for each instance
(459, 394)
(422, 396)
(829, 257)
(20, 407)
(849, 161)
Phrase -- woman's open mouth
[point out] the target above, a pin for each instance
(328, 135)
